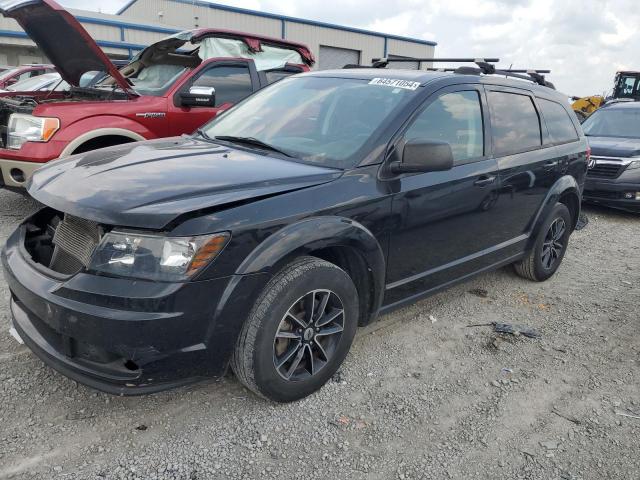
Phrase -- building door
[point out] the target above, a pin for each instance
(402, 65)
(334, 57)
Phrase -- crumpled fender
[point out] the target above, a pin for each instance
(316, 233)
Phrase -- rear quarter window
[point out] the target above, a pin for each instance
(558, 122)
(515, 123)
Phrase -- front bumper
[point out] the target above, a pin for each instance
(125, 336)
(611, 192)
(14, 173)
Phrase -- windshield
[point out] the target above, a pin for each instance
(617, 122)
(152, 80)
(320, 120)
(629, 86)
(8, 73)
(35, 83)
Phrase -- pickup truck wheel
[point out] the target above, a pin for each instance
(298, 332)
(550, 246)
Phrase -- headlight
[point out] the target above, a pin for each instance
(634, 164)
(27, 128)
(156, 257)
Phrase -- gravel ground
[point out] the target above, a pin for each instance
(420, 395)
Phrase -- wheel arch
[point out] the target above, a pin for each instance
(341, 241)
(100, 133)
(567, 191)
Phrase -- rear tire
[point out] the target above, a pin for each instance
(296, 337)
(545, 257)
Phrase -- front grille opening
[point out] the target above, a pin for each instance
(61, 242)
(605, 170)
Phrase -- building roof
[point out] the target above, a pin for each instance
(285, 18)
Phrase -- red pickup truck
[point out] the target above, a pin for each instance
(170, 88)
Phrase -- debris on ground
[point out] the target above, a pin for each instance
(511, 329)
(567, 417)
(626, 413)
(549, 445)
(433, 319)
(479, 292)
(583, 221)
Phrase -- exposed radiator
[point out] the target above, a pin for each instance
(75, 240)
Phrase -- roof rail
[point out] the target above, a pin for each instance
(383, 62)
(485, 66)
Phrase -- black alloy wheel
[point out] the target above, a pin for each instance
(545, 257)
(308, 335)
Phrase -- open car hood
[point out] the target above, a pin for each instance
(62, 39)
(254, 43)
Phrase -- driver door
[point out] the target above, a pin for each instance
(445, 224)
(232, 80)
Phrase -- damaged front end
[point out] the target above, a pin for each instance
(119, 335)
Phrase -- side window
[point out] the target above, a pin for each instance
(23, 76)
(455, 118)
(515, 123)
(278, 74)
(558, 121)
(232, 83)
(35, 73)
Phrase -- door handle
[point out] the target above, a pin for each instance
(552, 164)
(484, 181)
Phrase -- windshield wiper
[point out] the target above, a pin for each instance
(204, 135)
(251, 141)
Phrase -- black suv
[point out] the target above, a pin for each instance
(614, 137)
(265, 239)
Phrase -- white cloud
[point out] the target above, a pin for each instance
(583, 42)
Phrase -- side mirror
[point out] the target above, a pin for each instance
(198, 97)
(11, 81)
(419, 156)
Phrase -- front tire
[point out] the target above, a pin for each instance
(545, 257)
(299, 331)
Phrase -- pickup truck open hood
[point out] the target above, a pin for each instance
(62, 39)
(614, 147)
(149, 184)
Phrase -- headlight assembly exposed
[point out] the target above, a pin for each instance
(27, 128)
(156, 257)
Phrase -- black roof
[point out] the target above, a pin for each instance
(426, 77)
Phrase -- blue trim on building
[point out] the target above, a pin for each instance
(130, 26)
(101, 43)
(285, 18)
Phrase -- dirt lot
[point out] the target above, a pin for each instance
(420, 396)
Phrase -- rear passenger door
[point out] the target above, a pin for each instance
(527, 168)
(445, 224)
(563, 135)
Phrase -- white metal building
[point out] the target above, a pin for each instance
(141, 22)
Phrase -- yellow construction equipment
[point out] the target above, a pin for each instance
(625, 86)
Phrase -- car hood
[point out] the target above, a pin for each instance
(62, 39)
(614, 147)
(151, 184)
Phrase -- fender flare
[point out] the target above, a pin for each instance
(317, 233)
(563, 186)
(97, 133)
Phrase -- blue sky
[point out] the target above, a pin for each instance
(583, 42)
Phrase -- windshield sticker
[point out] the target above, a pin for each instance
(395, 82)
